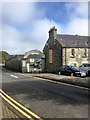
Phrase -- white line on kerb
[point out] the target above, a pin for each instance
(14, 76)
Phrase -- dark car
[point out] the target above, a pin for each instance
(71, 70)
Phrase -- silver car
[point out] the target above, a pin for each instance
(86, 67)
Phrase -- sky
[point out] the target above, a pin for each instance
(25, 25)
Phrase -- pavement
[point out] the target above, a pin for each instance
(80, 81)
(10, 113)
(7, 113)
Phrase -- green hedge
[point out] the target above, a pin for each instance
(3, 55)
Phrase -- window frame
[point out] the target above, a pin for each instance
(50, 56)
(72, 52)
(85, 53)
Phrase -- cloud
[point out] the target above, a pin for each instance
(20, 13)
(18, 21)
(40, 31)
(15, 13)
(25, 26)
(82, 9)
(77, 26)
(78, 13)
(17, 42)
(11, 37)
(77, 9)
(0, 38)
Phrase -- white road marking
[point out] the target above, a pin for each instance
(14, 76)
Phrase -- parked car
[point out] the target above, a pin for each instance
(71, 70)
(86, 67)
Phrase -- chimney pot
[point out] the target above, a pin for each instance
(53, 32)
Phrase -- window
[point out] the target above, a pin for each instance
(32, 60)
(85, 52)
(23, 63)
(72, 52)
(50, 56)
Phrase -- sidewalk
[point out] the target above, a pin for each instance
(84, 82)
(8, 113)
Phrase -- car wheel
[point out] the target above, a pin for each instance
(59, 73)
(88, 73)
(72, 74)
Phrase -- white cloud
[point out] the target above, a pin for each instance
(46, 1)
(82, 9)
(0, 39)
(0, 26)
(36, 26)
(16, 42)
(11, 37)
(16, 13)
(78, 23)
(77, 9)
(40, 31)
(20, 13)
(77, 26)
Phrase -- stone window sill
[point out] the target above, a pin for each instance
(84, 56)
(72, 56)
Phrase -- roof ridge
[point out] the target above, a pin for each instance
(73, 35)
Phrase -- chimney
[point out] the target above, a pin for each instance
(53, 32)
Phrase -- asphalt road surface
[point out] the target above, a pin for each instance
(44, 98)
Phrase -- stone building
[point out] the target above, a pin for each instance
(63, 49)
(32, 61)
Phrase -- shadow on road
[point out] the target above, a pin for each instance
(34, 89)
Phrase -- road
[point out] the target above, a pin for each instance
(45, 98)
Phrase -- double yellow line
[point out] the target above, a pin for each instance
(67, 84)
(59, 82)
(18, 106)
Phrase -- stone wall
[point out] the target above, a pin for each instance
(18, 63)
(14, 64)
(34, 51)
(53, 33)
(56, 51)
(56, 48)
(78, 59)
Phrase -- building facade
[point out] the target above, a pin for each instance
(32, 61)
(65, 50)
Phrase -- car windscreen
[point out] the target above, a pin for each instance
(85, 65)
(74, 68)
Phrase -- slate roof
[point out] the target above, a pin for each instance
(35, 56)
(20, 57)
(73, 40)
(9, 57)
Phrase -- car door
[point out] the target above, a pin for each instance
(84, 67)
(62, 69)
(65, 70)
(70, 71)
